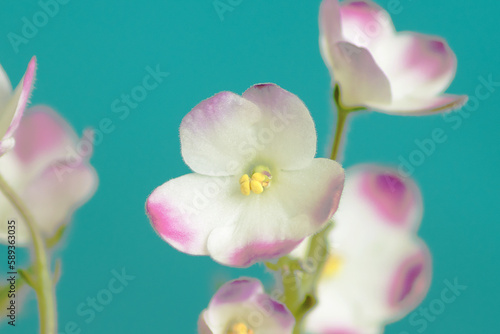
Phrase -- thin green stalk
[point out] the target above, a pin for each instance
(319, 245)
(43, 284)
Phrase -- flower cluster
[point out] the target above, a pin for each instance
(36, 201)
(258, 194)
(378, 269)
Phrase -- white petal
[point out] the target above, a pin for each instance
(224, 134)
(361, 81)
(417, 65)
(286, 131)
(297, 204)
(415, 106)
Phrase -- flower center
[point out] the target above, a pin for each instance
(260, 180)
(333, 265)
(240, 328)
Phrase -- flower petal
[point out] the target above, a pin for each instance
(50, 185)
(202, 325)
(329, 22)
(365, 23)
(184, 211)
(361, 81)
(417, 65)
(12, 111)
(223, 134)
(382, 196)
(333, 315)
(42, 138)
(286, 130)
(274, 223)
(218, 135)
(411, 282)
(415, 106)
(53, 198)
(244, 301)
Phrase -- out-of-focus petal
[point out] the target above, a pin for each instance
(42, 138)
(365, 23)
(11, 112)
(416, 106)
(381, 196)
(361, 81)
(39, 171)
(244, 302)
(417, 65)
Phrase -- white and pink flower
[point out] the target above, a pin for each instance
(375, 67)
(242, 307)
(43, 140)
(13, 103)
(257, 190)
(378, 270)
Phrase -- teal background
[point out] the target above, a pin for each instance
(91, 52)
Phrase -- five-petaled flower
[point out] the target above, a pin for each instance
(378, 269)
(377, 68)
(242, 307)
(13, 103)
(257, 190)
(43, 140)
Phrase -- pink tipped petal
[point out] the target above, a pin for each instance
(411, 282)
(419, 66)
(329, 21)
(365, 23)
(361, 81)
(414, 106)
(55, 195)
(389, 195)
(382, 196)
(202, 325)
(275, 222)
(11, 113)
(218, 135)
(245, 302)
(286, 132)
(279, 317)
(44, 137)
(185, 210)
(237, 291)
(261, 251)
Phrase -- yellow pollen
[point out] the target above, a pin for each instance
(245, 185)
(260, 180)
(240, 328)
(332, 266)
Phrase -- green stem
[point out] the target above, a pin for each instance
(43, 285)
(319, 245)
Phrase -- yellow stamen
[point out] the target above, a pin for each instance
(245, 185)
(260, 180)
(240, 328)
(256, 187)
(332, 266)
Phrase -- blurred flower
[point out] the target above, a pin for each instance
(257, 190)
(242, 307)
(43, 140)
(378, 269)
(377, 68)
(13, 103)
